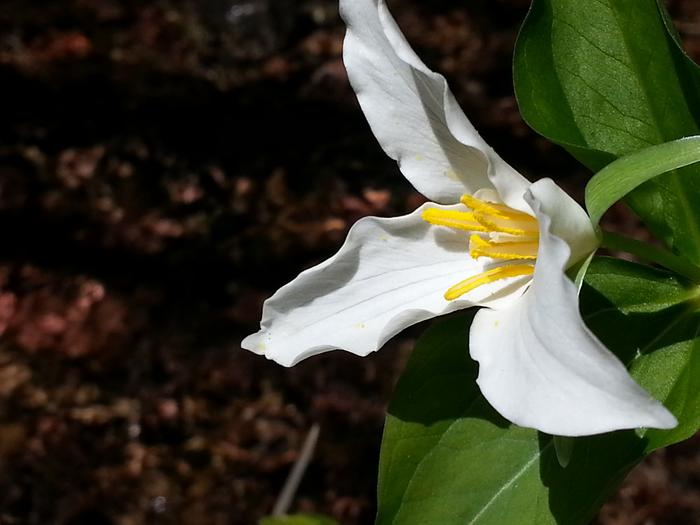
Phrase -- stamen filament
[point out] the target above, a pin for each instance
(479, 247)
(460, 220)
(489, 276)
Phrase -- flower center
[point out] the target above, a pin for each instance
(497, 231)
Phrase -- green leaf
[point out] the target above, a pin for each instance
(607, 78)
(651, 320)
(298, 519)
(447, 457)
(625, 174)
(650, 253)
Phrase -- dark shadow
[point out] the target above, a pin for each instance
(439, 382)
(598, 465)
(636, 331)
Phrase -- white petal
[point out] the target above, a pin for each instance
(414, 115)
(389, 274)
(569, 221)
(541, 367)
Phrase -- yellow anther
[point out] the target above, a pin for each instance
(460, 220)
(482, 206)
(496, 217)
(492, 208)
(489, 276)
(479, 247)
(520, 226)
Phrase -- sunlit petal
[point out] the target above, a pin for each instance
(414, 115)
(389, 274)
(541, 367)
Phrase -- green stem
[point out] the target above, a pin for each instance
(615, 241)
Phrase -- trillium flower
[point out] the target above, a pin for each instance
(489, 238)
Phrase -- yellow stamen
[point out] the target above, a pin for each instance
(514, 235)
(479, 247)
(526, 226)
(492, 208)
(461, 220)
(496, 217)
(489, 276)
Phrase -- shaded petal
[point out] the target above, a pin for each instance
(414, 115)
(541, 367)
(389, 274)
(569, 221)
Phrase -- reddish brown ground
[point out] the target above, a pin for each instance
(162, 170)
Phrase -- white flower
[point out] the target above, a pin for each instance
(495, 240)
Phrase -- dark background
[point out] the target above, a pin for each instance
(165, 166)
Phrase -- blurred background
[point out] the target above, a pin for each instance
(165, 166)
